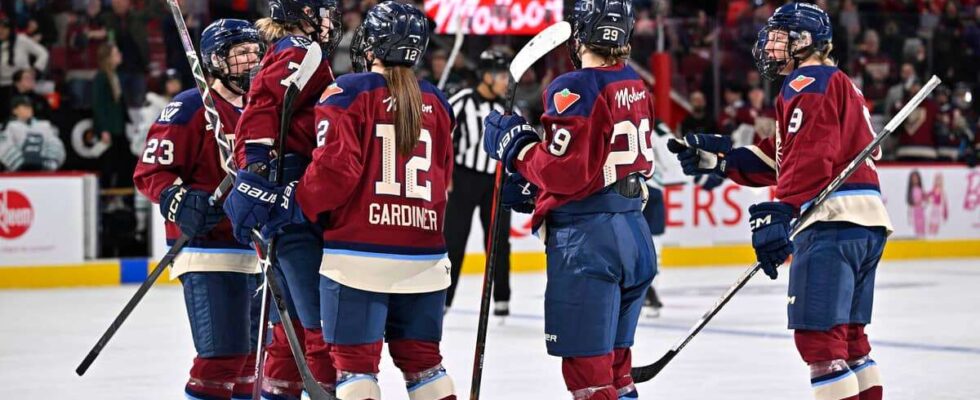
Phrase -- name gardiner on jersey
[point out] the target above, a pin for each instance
(627, 96)
(403, 215)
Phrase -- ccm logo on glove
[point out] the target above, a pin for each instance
(175, 204)
(756, 223)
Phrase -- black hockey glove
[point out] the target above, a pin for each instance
(190, 209)
(770, 234)
(518, 194)
(700, 153)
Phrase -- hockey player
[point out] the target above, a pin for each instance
(590, 170)
(179, 168)
(822, 125)
(378, 180)
(291, 28)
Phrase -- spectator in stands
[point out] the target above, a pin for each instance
(906, 77)
(755, 121)
(698, 121)
(128, 30)
(733, 102)
(34, 19)
(874, 69)
(29, 144)
(152, 107)
(955, 129)
(17, 52)
(176, 57)
(948, 45)
(109, 117)
(917, 136)
(24, 85)
(85, 35)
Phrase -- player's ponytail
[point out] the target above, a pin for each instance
(611, 55)
(404, 88)
(270, 30)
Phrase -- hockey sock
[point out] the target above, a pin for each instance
(622, 380)
(868, 377)
(421, 364)
(281, 378)
(213, 378)
(246, 379)
(589, 378)
(318, 357)
(833, 380)
(357, 386)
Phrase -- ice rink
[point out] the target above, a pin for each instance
(925, 337)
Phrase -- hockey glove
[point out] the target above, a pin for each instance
(285, 212)
(518, 194)
(770, 234)
(249, 204)
(504, 136)
(699, 153)
(190, 209)
(709, 181)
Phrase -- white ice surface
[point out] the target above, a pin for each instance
(926, 337)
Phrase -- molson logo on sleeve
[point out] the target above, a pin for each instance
(16, 214)
(494, 17)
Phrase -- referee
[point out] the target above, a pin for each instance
(473, 176)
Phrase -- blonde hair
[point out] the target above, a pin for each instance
(404, 87)
(270, 30)
(611, 55)
(105, 65)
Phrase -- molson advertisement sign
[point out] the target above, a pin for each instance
(493, 17)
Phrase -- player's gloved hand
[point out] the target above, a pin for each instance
(770, 234)
(249, 204)
(286, 211)
(709, 181)
(518, 194)
(190, 209)
(505, 135)
(699, 153)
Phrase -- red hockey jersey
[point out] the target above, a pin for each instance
(822, 124)
(259, 123)
(384, 211)
(181, 150)
(598, 130)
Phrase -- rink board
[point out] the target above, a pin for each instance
(135, 270)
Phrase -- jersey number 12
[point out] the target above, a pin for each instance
(388, 185)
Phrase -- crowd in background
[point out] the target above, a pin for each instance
(85, 78)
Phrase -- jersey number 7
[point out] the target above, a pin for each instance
(388, 185)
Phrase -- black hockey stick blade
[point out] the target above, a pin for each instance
(647, 372)
(643, 374)
(131, 305)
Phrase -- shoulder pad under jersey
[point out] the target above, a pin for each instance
(343, 91)
(809, 79)
(292, 42)
(571, 94)
(181, 109)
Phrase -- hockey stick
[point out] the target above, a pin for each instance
(213, 124)
(307, 68)
(647, 372)
(534, 50)
(457, 46)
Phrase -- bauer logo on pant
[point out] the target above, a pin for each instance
(550, 338)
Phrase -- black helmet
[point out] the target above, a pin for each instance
(601, 23)
(493, 60)
(295, 11)
(395, 33)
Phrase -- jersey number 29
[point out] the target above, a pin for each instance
(638, 142)
(388, 185)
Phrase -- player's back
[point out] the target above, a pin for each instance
(598, 125)
(261, 118)
(823, 125)
(385, 209)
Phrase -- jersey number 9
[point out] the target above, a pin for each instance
(388, 185)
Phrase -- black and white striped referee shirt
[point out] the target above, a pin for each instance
(471, 108)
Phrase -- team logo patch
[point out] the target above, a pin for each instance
(564, 99)
(330, 91)
(801, 82)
